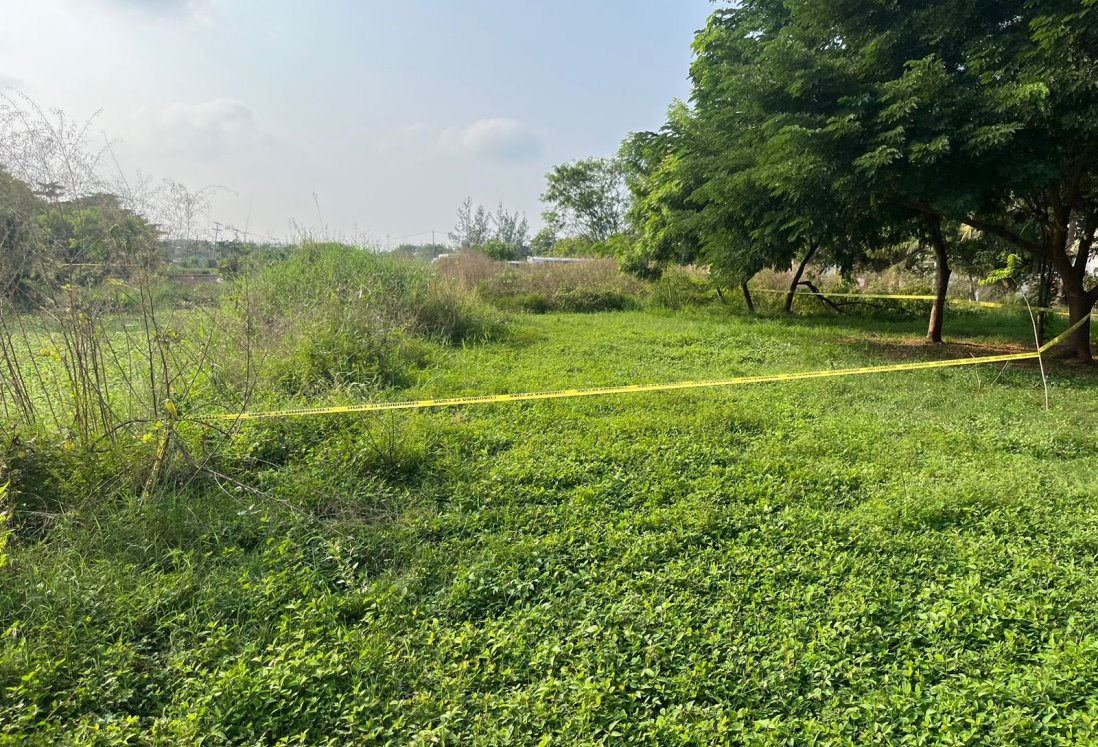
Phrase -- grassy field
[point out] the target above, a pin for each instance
(899, 559)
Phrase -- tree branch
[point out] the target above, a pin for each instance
(980, 225)
(1004, 233)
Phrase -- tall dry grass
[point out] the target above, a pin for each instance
(595, 285)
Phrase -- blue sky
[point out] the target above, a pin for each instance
(391, 113)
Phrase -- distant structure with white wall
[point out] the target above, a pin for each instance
(555, 260)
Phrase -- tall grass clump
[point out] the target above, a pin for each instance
(338, 316)
(682, 288)
(583, 287)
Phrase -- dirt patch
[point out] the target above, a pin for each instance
(911, 350)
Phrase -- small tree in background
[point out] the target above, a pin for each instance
(587, 199)
(511, 229)
(92, 357)
(502, 235)
(544, 240)
(473, 227)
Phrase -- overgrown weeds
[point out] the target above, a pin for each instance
(106, 389)
(580, 287)
(338, 316)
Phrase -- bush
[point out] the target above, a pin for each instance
(46, 476)
(681, 288)
(589, 300)
(323, 353)
(443, 311)
(533, 303)
(333, 315)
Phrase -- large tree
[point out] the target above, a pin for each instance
(771, 105)
(704, 193)
(658, 173)
(978, 113)
(989, 117)
(866, 121)
(744, 179)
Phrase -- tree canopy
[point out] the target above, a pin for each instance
(844, 126)
(587, 198)
(19, 208)
(81, 241)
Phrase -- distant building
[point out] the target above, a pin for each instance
(555, 260)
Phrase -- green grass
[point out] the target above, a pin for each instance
(906, 558)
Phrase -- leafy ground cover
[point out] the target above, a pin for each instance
(899, 559)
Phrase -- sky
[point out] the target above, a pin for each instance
(353, 119)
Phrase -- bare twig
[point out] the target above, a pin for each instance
(1040, 354)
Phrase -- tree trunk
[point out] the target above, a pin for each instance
(1072, 270)
(1073, 277)
(798, 275)
(1080, 306)
(747, 298)
(941, 281)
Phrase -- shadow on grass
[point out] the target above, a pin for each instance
(916, 350)
(893, 336)
(1001, 325)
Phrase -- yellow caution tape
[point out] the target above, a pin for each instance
(639, 388)
(901, 297)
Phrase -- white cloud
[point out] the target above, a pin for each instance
(207, 130)
(497, 139)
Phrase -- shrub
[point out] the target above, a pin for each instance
(443, 311)
(324, 352)
(46, 476)
(588, 300)
(533, 303)
(680, 288)
(333, 315)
